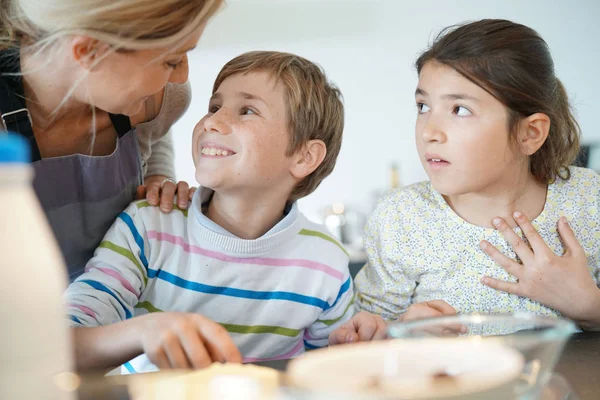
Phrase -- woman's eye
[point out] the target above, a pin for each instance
(422, 108)
(213, 109)
(461, 111)
(247, 111)
(174, 64)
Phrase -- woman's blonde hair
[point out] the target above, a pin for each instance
(123, 24)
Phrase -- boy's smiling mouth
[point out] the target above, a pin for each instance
(213, 150)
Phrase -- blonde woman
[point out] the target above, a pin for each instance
(95, 86)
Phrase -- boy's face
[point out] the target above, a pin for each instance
(239, 146)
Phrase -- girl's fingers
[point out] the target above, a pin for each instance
(517, 244)
(509, 265)
(503, 286)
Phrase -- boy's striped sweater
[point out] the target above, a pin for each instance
(276, 295)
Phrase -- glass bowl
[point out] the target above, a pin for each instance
(540, 340)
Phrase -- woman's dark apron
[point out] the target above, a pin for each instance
(81, 195)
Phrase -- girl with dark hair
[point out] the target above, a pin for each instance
(496, 136)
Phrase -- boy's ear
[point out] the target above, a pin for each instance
(533, 132)
(308, 159)
(88, 51)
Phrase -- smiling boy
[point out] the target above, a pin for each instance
(243, 269)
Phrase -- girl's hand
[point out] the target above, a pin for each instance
(363, 327)
(180, 340)
(161, 190)
(563, 283)
(427, 309)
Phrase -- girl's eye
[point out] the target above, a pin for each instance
(461, 111)
(213, 109)
(247, 111)
(422, 108)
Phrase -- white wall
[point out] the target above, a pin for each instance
(368, 49)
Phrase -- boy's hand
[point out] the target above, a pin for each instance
(362, 327)
(180, 340)
(161, 190)
(427, 309)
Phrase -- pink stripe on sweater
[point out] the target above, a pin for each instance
(272, 262)
(117, 276)
(86, 310)
(307, 335)
(285, 356)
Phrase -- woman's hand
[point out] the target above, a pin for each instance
(161, 190)
(563, 283)
(180, 340)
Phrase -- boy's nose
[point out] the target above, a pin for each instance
(217, 123)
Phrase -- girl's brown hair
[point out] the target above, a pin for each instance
(513, 63)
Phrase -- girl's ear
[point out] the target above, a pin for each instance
(533, 132)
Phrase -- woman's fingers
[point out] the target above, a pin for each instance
(153, 193)
(183, 193)
(167, 194)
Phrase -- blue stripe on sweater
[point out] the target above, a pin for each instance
(309, 346)
(227, 291)
(136, 236)
(130, 368)
(343, 289)
(75, 319)
(98, 286)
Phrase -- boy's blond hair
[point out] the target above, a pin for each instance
(314, 106)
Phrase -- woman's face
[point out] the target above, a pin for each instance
(123, 81)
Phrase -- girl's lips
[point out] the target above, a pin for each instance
(437, 164)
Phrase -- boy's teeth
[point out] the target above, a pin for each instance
(436, 160)
(211, 151)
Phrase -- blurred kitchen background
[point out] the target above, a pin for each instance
(368, 47)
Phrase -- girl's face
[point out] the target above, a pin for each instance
(123, 81)
(462, 135)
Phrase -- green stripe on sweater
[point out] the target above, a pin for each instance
(330, 322)
(321, 235)
(276, 330)
(127, 254)
(144, 204)
(244, 329)
(148, 307)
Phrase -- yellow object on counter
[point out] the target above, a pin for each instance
(219, 381)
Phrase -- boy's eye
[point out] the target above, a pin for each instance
(213, 109)
(461, 111)
(422, 108)
(247, 111)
